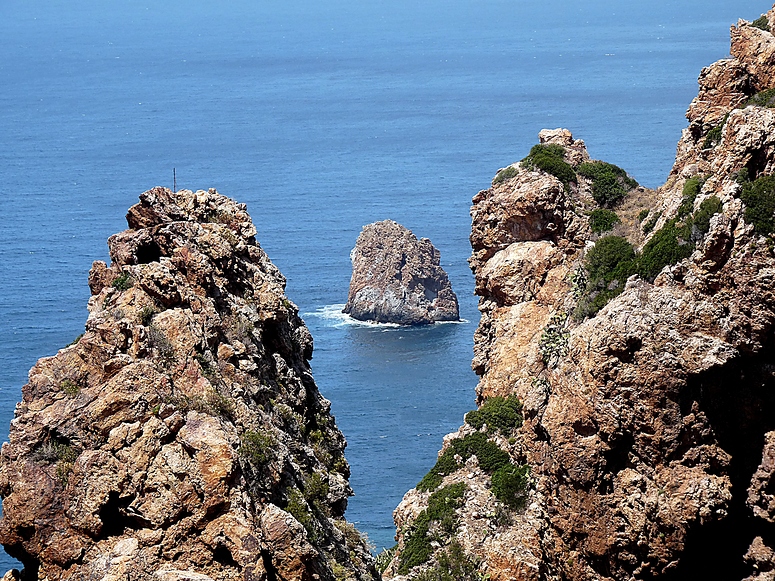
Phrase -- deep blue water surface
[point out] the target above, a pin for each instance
(322, 117)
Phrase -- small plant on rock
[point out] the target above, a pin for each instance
(509, 485)
(123, 281)
(762, 22)
(501, 414)
(759, 199)
(505, 174)
(69, 387)
(554, 340)
(257, 446)
(146, 315)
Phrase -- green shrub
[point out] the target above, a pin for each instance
(159, 341)
(500, 414)
(509, 485)
(608, 264)
(649, 226)
(553, 344)
(316, 489)
(643, 214)
(759, 199)
(610, 183)
(709, 207)
(602, 220)
(75, 341)
(713, 137)
(257, 446)
(490, 457)
(690, 192)
(442, 504)
(550, 159)
(764, 98)
(453, 565)
(668, 245)
(505, 174)
(69, 387)
(123, 281)
(762, 23)
(297, 507)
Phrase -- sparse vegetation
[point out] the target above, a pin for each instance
(649, 226)
(164, 349)
(668, 245)
(123, 281)
(610, 183)
(298, 508)
(713, 137)
(146, 315)
(453, 565)
(764, 98)
(69, 387)
(505, 174)
(550, 158)
(690, 192)
(608, 264)
(434, 524)
(257, 446)
(75, 341)
(382, 560)
(554, 340)
(643, 214)
(501, 414)
(602, 220)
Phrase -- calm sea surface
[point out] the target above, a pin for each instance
(322, 117)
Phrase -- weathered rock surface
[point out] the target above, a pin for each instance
(182, 436)
(648, 427)
(397, 278)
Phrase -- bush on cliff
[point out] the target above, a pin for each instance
(762, 22)
(668, 245)
(759, 199)
(602, 220)
(550, 158)
(707, 209)
(764, 98)
(501, 414)
(610, 183)
(691, 190)
(608, 264)
(509, 485)
(439, 517)
(505, 174)
(453, 565)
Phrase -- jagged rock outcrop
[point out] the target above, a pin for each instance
(182, 436)
(397, 278)
(647, 426)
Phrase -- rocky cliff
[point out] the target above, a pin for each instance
(398, 279)
(627, 394)
(182, 436)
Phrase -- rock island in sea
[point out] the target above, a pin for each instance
(398, 279)
(182, 437)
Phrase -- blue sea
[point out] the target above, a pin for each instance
(322, 117)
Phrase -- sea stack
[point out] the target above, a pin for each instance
(182, 436)
(397, 278)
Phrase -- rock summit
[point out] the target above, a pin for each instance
(397, 278)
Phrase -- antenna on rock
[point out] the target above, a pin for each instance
(174, 181)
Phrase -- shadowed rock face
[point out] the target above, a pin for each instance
(182, 436)
(397, 278)
(649, 428)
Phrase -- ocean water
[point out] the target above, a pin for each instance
(322, 117)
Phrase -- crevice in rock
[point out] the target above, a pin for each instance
(115, 518)
(148, 252)
(271, 570)
(223, 555)
(739, 402)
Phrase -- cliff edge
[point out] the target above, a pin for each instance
(182, 436)
(626, 427)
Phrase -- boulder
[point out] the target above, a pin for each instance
(397, 278)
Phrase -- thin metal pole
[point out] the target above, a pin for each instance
(174, 181)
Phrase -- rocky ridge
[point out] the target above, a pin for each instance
(398, 279)
(647, 425)
(182, 436)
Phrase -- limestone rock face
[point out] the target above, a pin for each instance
(182, 436)
(397, 278)
(648, 427)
